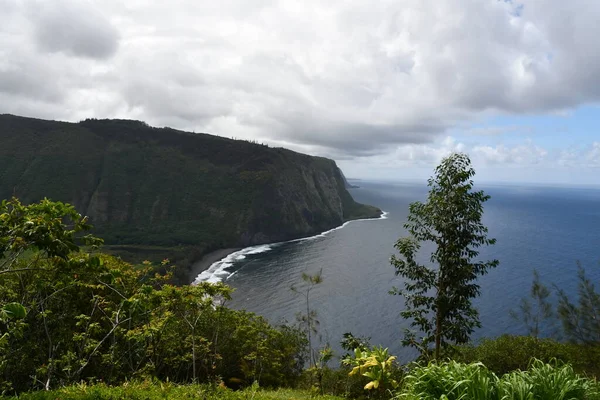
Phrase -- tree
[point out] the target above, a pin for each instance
(438, 297)
(581, 320)
(309, 320)
(536, 309)
(67, 315)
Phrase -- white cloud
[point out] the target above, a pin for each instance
(523, 154)
(341, 78)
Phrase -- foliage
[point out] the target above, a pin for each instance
(454, 381)
(318, 370)
(438, 298)
(581, 320)
(308, 320)
(375, 364)
(318, 358)
(449, 381)
(157, 186)
(12, 311)
(546, 381)
(93, 317)
(371, 367)
(158, 391)
(537, 309)
(351, 342)
(508, 353)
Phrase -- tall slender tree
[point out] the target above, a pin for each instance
(309, 319)
(438, 296)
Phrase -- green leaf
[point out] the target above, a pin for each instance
(14, 310)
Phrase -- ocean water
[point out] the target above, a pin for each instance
(546, 228)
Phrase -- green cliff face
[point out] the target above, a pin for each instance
(151, 186)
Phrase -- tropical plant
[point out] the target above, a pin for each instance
(449, 381)
(376, 364)
(546, 381)
(455, 381)
(438, 297)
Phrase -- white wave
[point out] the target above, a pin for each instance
(217, 272)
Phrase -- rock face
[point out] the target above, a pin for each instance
(159, 186)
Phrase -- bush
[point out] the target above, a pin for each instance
(338, 382)
(546, 381)
(450, 379)
(509, 353)
(455, 381)
(69, 316)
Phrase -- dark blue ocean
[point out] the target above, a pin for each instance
(546, 228)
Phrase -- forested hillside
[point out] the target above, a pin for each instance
(158, 186)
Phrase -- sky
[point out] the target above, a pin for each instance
(386, 88)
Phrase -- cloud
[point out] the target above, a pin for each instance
(498, 130)
(345, 79)
(72, 27)
(522, 154)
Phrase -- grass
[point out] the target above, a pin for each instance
(155, 391)
(455, 381)
(435, 381)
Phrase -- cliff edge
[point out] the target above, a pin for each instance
(159, 186)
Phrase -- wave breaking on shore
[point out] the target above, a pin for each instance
(218, 271)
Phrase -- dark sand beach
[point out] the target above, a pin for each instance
(207, 260)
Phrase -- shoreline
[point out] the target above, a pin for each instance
(209, 259)
(217, 256)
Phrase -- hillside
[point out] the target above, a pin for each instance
(163, 187)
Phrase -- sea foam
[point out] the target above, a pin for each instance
(218, 271)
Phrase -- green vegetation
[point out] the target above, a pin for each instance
(455, 381)
(79, 324)
(156, 391)
(91, 317)
(509, 353)
(438, 298)
(144, 186)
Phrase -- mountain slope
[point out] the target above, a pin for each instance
(159, 186)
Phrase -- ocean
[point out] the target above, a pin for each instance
(550, 229)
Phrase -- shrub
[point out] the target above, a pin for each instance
(509, 353)
(450, 381)
(546, 381)
(455, 381)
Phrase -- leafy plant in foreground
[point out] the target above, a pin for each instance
(456, 381)
(376, 364)
(449, 381)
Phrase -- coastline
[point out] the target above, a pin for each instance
(209, 259)
(213, 265)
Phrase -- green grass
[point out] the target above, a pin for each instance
(435, 381)
(455, 381)
(155, 391)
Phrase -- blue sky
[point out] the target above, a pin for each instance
(385, 88)
(559, 148)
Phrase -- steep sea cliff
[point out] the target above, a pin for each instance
(163, 187)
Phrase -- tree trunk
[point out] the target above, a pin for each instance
(438, 332)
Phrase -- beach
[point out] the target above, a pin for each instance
(207, 260)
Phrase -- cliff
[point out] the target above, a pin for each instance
(159, 186)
